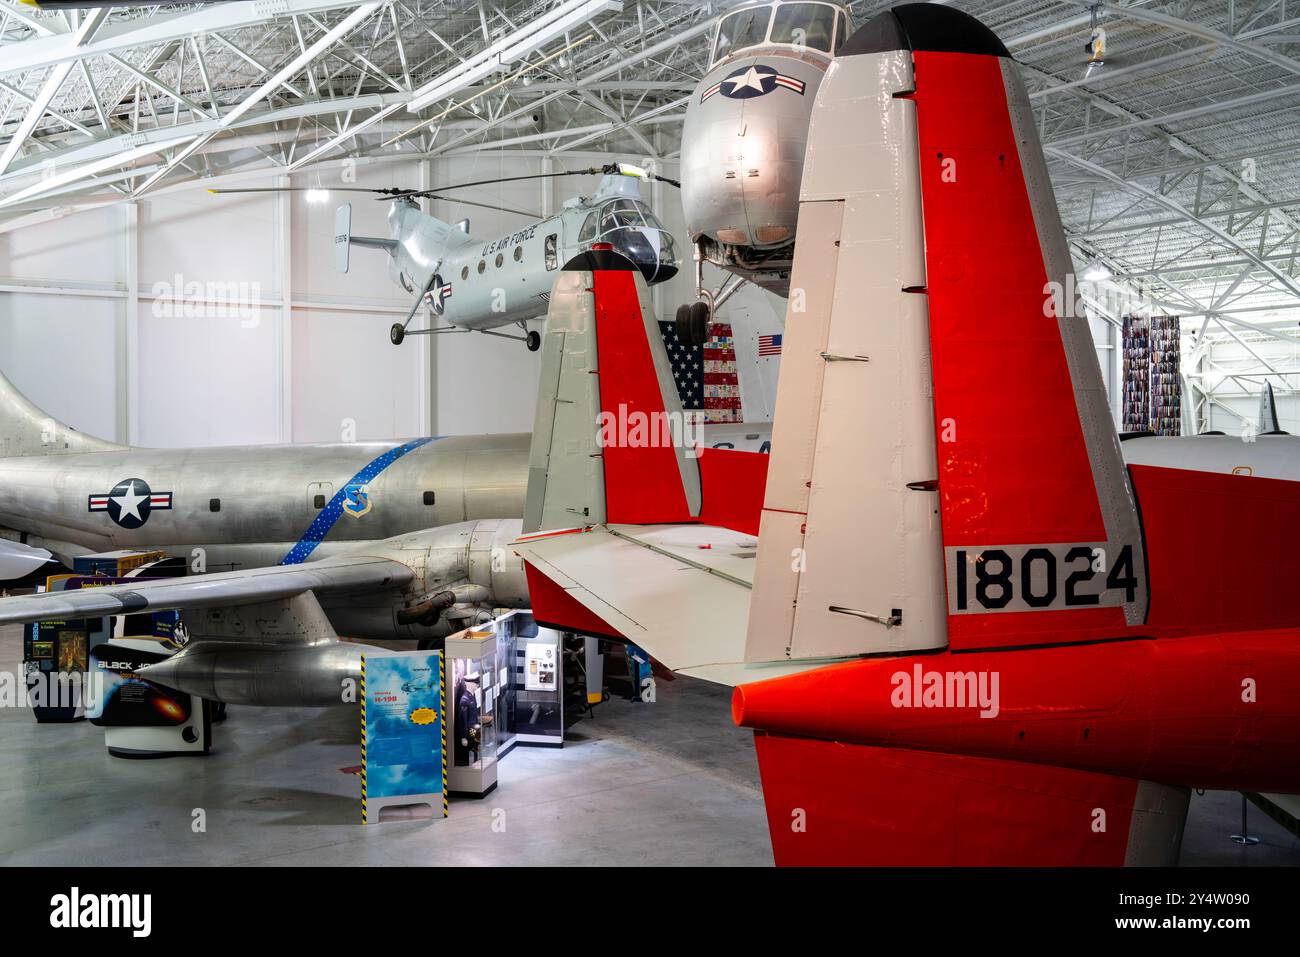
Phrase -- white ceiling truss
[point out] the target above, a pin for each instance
(1176, 165)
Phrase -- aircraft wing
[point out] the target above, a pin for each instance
(681, 592)
(17, 559)
(241, 587)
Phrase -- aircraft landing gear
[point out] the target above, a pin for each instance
(692, 323)
(533, 340)
(398, 332)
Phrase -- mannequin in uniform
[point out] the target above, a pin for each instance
(468, 725)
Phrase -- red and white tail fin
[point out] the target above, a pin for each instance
(610, 439)
(945, 471)
(631, 528)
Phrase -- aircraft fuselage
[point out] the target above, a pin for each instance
(492, 281)
(247, 506)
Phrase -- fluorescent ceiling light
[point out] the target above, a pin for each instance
(510, 48)
(1097, 273)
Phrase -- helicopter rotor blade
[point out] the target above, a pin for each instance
(469, 202)
(503, 179)
(387, 190)
(607, 169)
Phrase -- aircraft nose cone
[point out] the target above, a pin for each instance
(743, 146)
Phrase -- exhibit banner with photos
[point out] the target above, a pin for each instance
(403, 746)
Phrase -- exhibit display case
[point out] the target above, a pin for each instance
(473, 711)
(537, 674)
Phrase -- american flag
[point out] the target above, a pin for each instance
(706, 376)
(769, 345)
(688, 367)
(721, 384)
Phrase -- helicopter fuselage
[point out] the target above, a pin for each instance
(481, 283)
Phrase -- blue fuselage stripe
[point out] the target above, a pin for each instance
(330, 514)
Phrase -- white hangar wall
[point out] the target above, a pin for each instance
(163, 322)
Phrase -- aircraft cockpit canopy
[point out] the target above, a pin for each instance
(819, 27)
(631, 228)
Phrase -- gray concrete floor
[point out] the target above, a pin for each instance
(670, 783)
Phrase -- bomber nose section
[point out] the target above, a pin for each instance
(743, 145)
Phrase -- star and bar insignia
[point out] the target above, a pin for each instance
(749, 81)
(130, 502)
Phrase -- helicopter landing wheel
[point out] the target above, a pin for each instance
(397, 334)
(698, 323)
(533, 340)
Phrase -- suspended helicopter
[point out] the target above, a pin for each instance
(483, 284)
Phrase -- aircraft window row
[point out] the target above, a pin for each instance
(621, 212)
(816, 21)
(813, 26)
(498, 262)
(318, 502)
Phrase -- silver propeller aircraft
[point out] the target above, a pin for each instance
(483, 284)
(372, 540)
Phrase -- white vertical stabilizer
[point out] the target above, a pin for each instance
(850, 556)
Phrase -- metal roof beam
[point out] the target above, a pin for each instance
(670, 43)
(53, 81)
(57, 46)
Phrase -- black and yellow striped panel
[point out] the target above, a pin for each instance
(363, 739)
(442, 717)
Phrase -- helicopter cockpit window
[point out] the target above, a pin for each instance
(550, 248)
(744, 28)
(619, 213)
(841, 31)
(809, 25)
(589, 227)
(631, 228)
